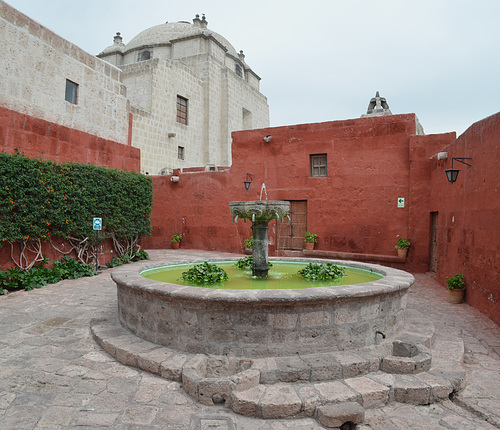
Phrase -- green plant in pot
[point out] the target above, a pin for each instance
(176, 240)
(249, 245)
(402, 246)
(456, 288)
(310, 239)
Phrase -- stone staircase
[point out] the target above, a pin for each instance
(335, 387)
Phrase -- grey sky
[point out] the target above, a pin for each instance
(322, 60)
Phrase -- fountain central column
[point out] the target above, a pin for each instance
(260, 249)
(260, 213)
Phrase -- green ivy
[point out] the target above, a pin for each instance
(321, 272)
(40, 199)
(205, 274)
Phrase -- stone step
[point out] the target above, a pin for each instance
(375, 390)
(323, 386)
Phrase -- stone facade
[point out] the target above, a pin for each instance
(199, 65)
(35, 64)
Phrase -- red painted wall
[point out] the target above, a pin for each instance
(39, 138)
(353, 209)
(469, 215)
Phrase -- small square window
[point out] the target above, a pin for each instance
(318, 165)
(180, 152)
(182, 110)
(71, 92)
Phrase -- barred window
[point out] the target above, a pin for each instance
(180, 152)
(318, 164)
(182, 110)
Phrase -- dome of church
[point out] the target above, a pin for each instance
(170, 31)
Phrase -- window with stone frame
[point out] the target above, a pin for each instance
(71, 94)
(238, 70)
(182, 110)
(144, 55)
(180, 152)
(318, 165)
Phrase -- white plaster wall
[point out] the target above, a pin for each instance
(34, 66)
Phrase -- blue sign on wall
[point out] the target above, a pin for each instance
(97, 223)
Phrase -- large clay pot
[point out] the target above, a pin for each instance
(309, 246)
(456, 295)
(402, 252)
(176, 245)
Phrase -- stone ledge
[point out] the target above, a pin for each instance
(353, 256)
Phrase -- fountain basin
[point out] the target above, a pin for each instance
(262, 323)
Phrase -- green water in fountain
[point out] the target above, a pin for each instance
(281, 276)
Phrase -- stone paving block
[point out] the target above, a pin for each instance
(332, 416)
(410, 389)
(352, 364)
(140, 415)
(292, 369)
(245, 380)
(150, 361)
(441, 388)
(172, 367)
(400, 365)
(455, 377)
(372, 393)
(336, 392)
(269, 371)
(280, 401)
(323, 367)
(247, 402)
(310, 399)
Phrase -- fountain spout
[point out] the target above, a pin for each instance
(263, 188)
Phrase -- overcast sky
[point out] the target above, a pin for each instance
(322, 60)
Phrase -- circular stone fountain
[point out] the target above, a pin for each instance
(260, 213)
(262, 323)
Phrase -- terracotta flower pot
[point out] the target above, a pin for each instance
(456, 295)
(402, 252)
(309, 246)
(176, 245)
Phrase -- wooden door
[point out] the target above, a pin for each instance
(433, 242)
(291, 234)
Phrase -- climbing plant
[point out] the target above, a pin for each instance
(41, 199)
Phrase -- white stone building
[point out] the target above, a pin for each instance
(188, 90)
(47, 77)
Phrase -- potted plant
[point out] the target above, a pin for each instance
(176, 240)
(456, 288)
(249, 245)
(310, 239)
(402, 246)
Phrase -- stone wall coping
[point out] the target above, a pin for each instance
(394, 280)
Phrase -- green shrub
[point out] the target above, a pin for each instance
(38, 276)
(321, 272)
(205, 274)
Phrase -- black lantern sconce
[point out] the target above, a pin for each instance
(452, 174)
(248, 181)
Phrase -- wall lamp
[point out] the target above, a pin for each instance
(248, 181)
(267, 138)
(452, 174)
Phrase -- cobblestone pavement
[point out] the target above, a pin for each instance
(54, 376)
